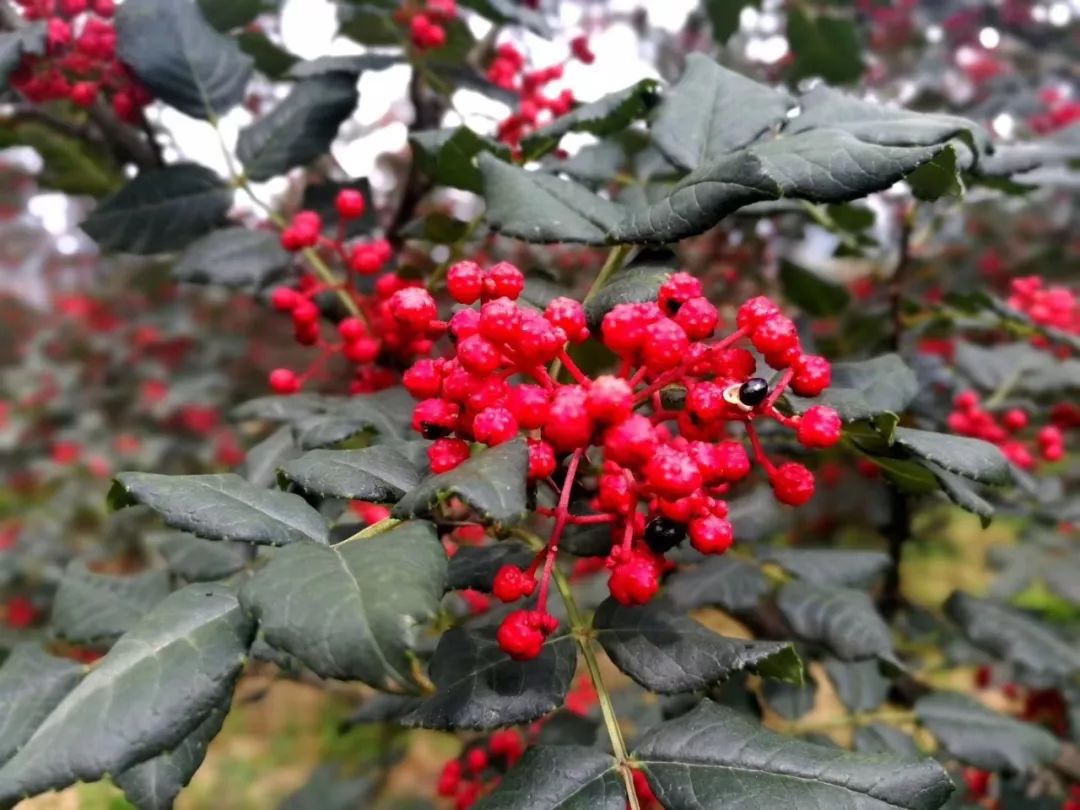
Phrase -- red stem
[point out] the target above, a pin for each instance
(561, 513)
(759, 453)
(568, 363)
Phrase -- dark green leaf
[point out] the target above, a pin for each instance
(32, 684)
(155, 783)
(29, 39)
(222, 507)
(823, 165)
(160, 210)
(354, 610)
(196, 560)
(827, 566)
(823, 46)
(382, 708)
(239, 258)
(321, 197)
(380, 473)
(668, 652)
(449, 156)
(596, 163)
(810, 292)
(180, 58)
(639, 281)
(605, 116)
(227, 14)
(479, 686)
(981, 737)
(960, 491)
(712, 110)
(69, 164)
(91, 608)
(476, 566)
(714, 757)
(368, 24)
(937, 178)
(355, 65)
(969, 458)
(560, 777)
(329, 789)
(291, 409)
(843, 620)
(877, 738)
(509, 12)
(724, 16)
(728, 582)
(300, 128)
(537, 207)
(860, 686)
(270, 58)
(790, 701)
(864, 389)
(387, 412)
(263, 460)
(152, 689)
(1006, 633)
(492, 482)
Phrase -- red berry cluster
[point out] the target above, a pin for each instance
(1061, 109)
(969, 418)
(80, 58)
(1053, 305)
(479, 770)
(426, 29)
(534, 109)
(657, 484)
(397, 321)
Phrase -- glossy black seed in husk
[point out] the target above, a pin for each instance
(753, 392)
(663, 534)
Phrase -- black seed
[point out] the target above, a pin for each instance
(662, 534)
(753, 392)
(430, 430)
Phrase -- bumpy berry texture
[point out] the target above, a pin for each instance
(660, 473)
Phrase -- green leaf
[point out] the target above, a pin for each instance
(92, 608)
(476, 566)
(981, 737)
(263, 460)
(937, 178)
(828, 566)
(293, 408)
(969, 458)
(196, 560)
(161, 210)
(149, 692)
(878, 738)
(810, 292)
(155, 783)
(238, 258)
(1024, 642)
(714, 757)
(824, 165)
(180, 58)
(479, 686)
(492, 482)
(960, 491)
(860, 686)
(29, 39)
(824, 46)
(356, 65)
(597, 163)
(712, 110)
(69, 164)
(605, 116)
(352, 611)
(845, 621)
(728, 582)
(724, 16)
(910, 476)
(329, 789)
(559, 777)
(32, 684)
(227, 14)
(300, 128)
(270, 58)
(449, 156)
(334, 420)
(368, 24)
(669, 653)
(509, 12)
(638, 282)
(790, 701)
(222, 507)
(537, 207)
(864, 389)
(321, 198)
(380, 473)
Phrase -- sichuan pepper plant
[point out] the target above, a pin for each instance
(576, 455)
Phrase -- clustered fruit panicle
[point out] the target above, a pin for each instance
(394, 324)
(664, 471)
(79, 63)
